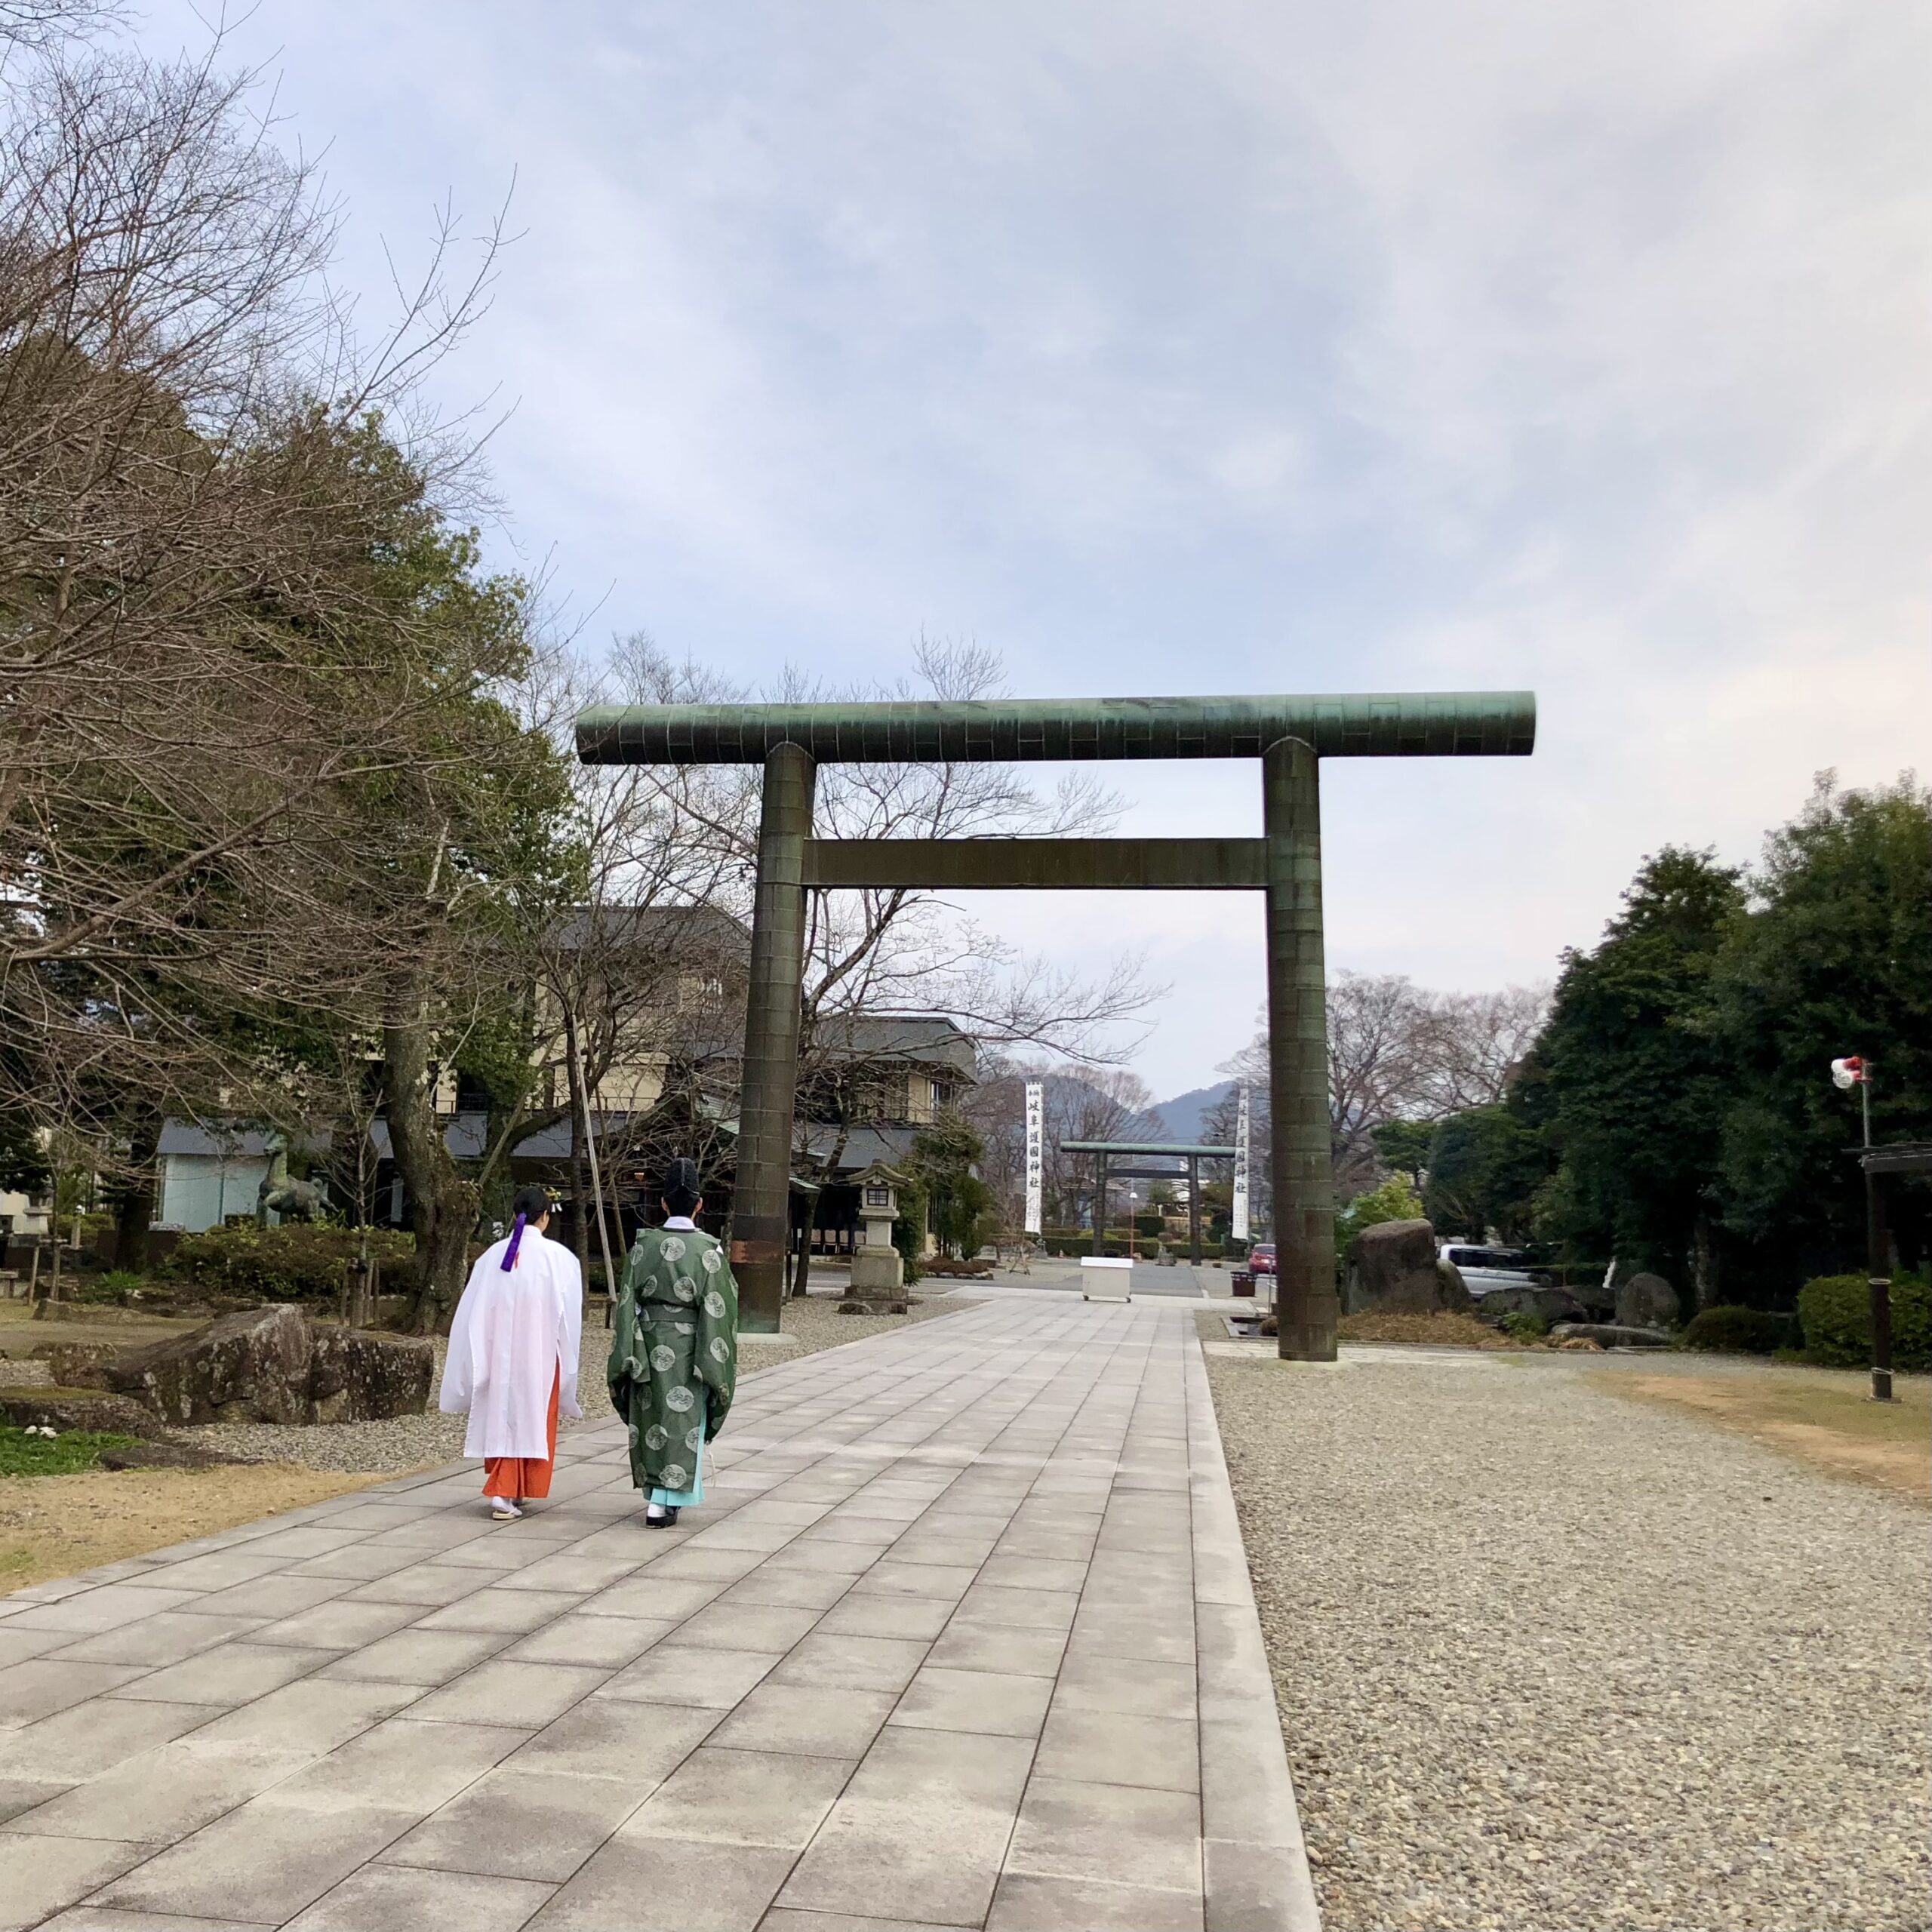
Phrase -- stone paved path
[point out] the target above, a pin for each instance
(964, 1638)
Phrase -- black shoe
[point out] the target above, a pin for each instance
(661, 1522)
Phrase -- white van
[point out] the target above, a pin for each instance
(1485, 1269)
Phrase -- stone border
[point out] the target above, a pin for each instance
(1256, 1872)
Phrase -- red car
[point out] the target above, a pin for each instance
(1261, 1258)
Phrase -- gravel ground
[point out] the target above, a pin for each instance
(408, 1442)
(1547, 1659)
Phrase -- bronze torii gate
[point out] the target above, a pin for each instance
(1290, 736)
(1104, 1151)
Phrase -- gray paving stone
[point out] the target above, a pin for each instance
(862, 1663)
(313, 1715)
(107, 1919)
(262, 1862)
(610, 1642)
(88, 1738)
(693, 1886)
(38, 1876)
(339, 1625)
(920, 1831)
(827, 1723)
(734, 1625)
(750, 1797)
(1112, 1832)
(237, 1673)
(619, 1740)
(1114, 1747)
(1137, 1687)
(504, 1692)
(514, 1823)
(1002, 1704)
(163, 1795)
(1026, 1902)
(41, 1686)
(383, 1895)
(1010, 1648)
(920, 1617)
(673, 1673)
(400, 1765)
(420, 1657)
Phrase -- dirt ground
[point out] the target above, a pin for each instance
(20, 1334)
(1823, 1416)
(52, 1526)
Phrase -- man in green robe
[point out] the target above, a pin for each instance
(674, 1362)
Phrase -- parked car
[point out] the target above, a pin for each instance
(1484, 1270)
(1261, 1258)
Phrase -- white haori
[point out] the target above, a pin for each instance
(513, 1334)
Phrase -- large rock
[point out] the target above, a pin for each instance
(1646, 1301)
(1609, 1335)
(63, 1409)
(1393, 1269)
(1548, 1304)
(274, 1364)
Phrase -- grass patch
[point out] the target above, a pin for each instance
(1823, 1417)
(63, 1455)
(54, 1526)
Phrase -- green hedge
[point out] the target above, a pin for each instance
(1740, 1331)
(1836, 1313)
(292, 1263)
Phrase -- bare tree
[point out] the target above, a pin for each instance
(875, 952)
(1396, 1051)
(196, 649)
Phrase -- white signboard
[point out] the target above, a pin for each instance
(1239, 1230)
(1036, 1153)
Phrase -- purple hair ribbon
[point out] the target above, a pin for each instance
(516, 1238)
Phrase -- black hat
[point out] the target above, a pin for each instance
(680, 1177)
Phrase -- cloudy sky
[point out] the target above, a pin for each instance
(1217, 348)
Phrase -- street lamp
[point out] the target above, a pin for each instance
(1856, 1071)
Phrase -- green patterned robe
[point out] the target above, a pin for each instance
(673, 1359)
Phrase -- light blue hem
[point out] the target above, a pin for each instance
(683, 1499)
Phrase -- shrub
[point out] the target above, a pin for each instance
(291, 1263)
(1740, 1331)
(1836, 1313)
(1525, 1328)
(119, 1285)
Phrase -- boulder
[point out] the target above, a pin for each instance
(78, 1365)
(274, 1364)
(64, 1409)
(1393, 1269)
(1609, 1335)
(1646, 1301)
(1548, 1304)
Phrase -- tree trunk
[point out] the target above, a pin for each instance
(134, 1209)
(802, 1275)
(1704, 1272)
(442, 1204)
(580, 1202)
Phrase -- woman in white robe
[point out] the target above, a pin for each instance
(512, 1360)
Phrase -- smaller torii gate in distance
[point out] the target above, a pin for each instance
(1289, 737)
(1103, 1151)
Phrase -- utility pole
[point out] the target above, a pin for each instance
(1856, 1071)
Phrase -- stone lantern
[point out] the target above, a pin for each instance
(878, 1274)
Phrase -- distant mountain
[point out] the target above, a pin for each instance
(1182, 1115)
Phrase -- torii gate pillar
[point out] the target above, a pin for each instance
(1306, 1306)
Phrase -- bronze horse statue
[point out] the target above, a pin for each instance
(292, 1200)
